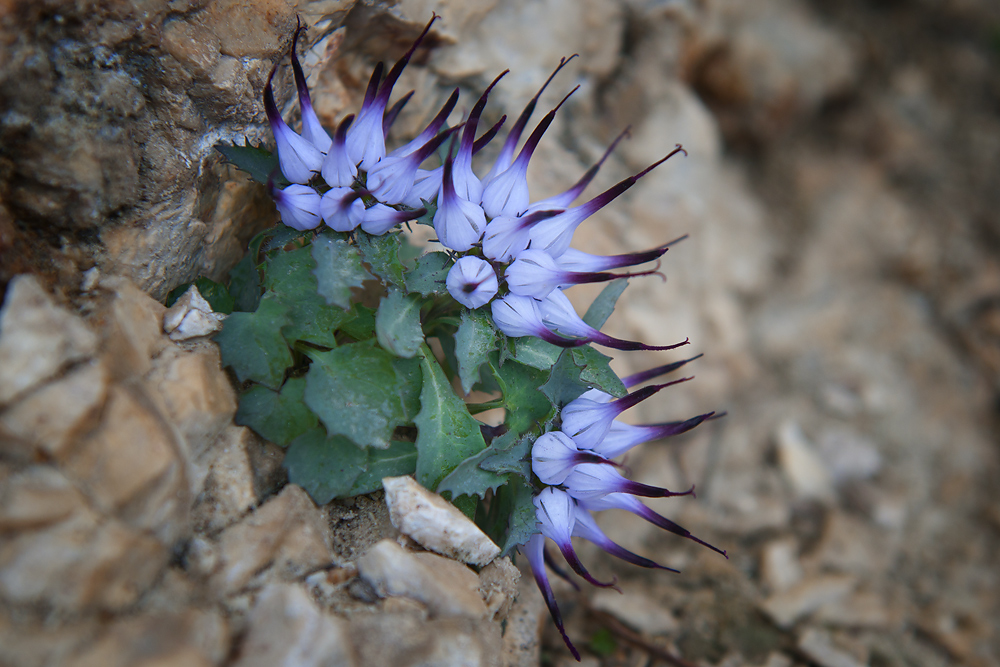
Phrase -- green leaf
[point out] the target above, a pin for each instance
(338, 269)
(535, 352)
(596, 372)
(524, 403)
(397, 324)
(409, 253)
(257, 161)
(475, 339)
(429, 277)
(399, 459)
(290, 275)
(361, 325)
(216, 294)
(521, 521)
(278, 417)
(564, 384)
(253, 345)
(362, 392)
(428, 217)
(580, 369)
(446, 433)
(382, 255)
(602, 307)
(467, 505)
(326, 467)
(279, 236)
(469, 479)
(510, 453)
(244, 278)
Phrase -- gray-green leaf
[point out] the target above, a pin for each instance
(326, 467)
(602, 307)
(278, 417)
(397, 324)
(382, 255)
(475, 339)
(253, 345)
(446, 433)
(338, 269)
(362, 392)
(428, 278)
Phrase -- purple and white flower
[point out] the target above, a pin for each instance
(458, 222)
(534, 273)
(299, 206)
(472, 282)
(342, 209)
(560, 316)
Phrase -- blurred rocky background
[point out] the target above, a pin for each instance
(842, 278)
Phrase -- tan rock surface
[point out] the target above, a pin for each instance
(38, 338)
(446, 587)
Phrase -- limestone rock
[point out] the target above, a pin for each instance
(243, 471)
(779, 564)
(80, 563)
(27, 644)
(446, 587)
(248, 28)
(194, 393)
(436, 524)
(37, 338)
(498, 587)
(529, 38)
(635, 610)
(405, 640)
(129, 321)
(284, 539)
(191, 316)
(36, 496)
(131, 465)
(287, 629)
(522, 641)
(820, 648)
(803, 468)
(192, 637)
(808, 596)
(56, 415)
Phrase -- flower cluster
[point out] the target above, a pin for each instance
(576, 464)
(510, 254)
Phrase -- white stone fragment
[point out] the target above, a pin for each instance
(436, 524)
(447, 588)
(191, 316)
(779, 564)
(789, 606)
(636, 610)
(803, 468)
(819, 646)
